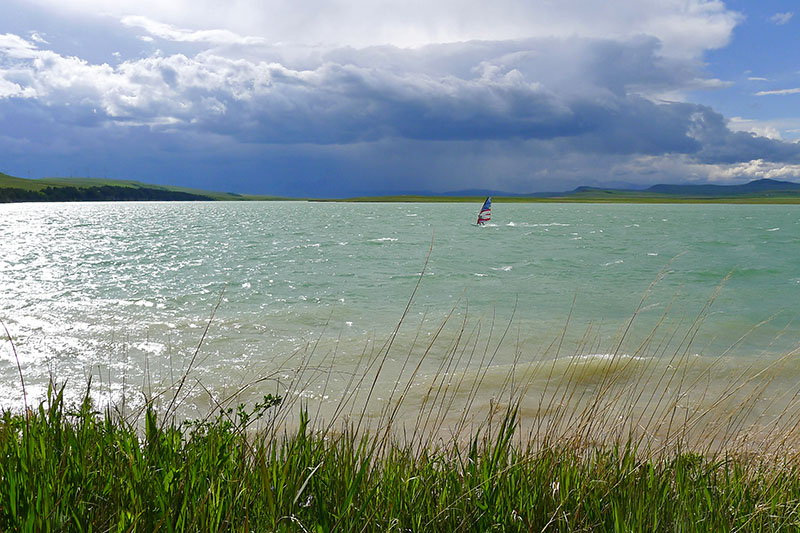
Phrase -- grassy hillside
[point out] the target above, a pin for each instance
(80, 188)
(98, 182)
(7, 181)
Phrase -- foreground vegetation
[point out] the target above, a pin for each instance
(79, 470)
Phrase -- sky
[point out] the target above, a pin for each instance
(336, 98)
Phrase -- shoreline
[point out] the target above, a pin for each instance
(764, 191)
(564, 200)
(145, 195)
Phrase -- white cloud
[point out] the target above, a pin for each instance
(782, 18)
(755, 169)
(38, 38)
(756, 78)
(9, 89)
(778, 92)
(15, 47)
(760, 128)
(680, 168)
(171, 33)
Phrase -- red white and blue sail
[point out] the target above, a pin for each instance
(485, 214)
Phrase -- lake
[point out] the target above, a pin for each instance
(306, 299)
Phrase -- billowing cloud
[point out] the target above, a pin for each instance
(768, 129)
(493, 91)
(757, 169)
(518, 96)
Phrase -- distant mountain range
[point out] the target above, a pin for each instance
(761, 187)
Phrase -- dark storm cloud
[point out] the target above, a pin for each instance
(526, 114)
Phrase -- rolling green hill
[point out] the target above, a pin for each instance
(757, 191)
(7, 181)
(13, 189)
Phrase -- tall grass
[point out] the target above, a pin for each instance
(646, 437)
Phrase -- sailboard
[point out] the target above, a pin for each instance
(485, 214)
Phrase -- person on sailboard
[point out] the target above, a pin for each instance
(485, 213)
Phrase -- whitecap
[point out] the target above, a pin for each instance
(504, 269)
(773, 229)
(652, 253)
(601, 356)
(610, 356)
(150, 347)
(617, 262)
(384, 239)
(511, 224)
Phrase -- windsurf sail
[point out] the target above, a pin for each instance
(485, 214)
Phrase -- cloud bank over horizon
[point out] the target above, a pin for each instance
(376, 97)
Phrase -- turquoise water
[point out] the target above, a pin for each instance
(122, 293)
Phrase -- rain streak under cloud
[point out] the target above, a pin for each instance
(339, 99)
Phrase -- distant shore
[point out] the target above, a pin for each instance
(574, 199)
(108, 193)
(14, 190)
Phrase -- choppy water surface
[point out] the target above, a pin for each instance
(124, 292)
